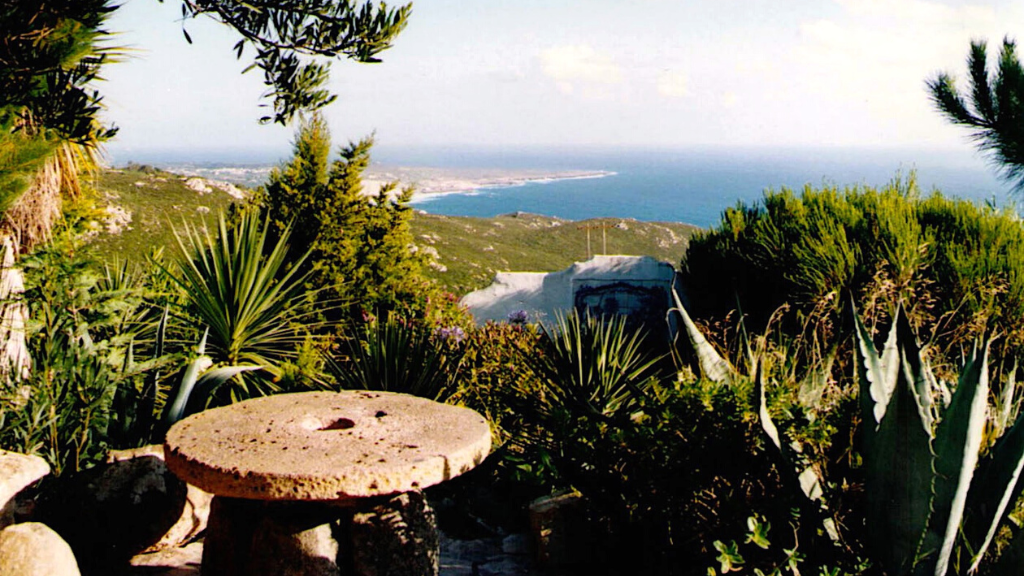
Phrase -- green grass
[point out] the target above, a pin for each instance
(470, 250)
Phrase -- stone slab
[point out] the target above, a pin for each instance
(329, 446)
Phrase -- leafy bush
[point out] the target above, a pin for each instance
(955, 266)
(494, 370)
(83, 325)
(668, 463)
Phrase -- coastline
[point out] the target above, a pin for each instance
(428, 182)
(434, 188)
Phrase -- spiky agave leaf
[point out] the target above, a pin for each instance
(1006, 405)
(878, 373)
(958, 440)
(996, 486)
(898, 480)
(714, 367)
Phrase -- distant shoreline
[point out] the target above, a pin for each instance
(433, 189)
(428, 182)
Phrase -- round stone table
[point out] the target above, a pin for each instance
(289, 472)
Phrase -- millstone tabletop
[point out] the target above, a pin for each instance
(326, 446)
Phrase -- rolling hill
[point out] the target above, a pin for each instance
(465, 252)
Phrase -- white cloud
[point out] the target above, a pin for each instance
(877, 54)
(578, 64)
(673, 84)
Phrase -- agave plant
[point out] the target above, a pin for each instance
(796, 467)
(934, 505)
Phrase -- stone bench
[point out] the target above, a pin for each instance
(289, 472)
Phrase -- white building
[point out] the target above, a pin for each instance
(637, 286)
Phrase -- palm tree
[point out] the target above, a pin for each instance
(996, 109)
(49, 131)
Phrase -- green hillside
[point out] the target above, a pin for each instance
(156, 201)
(471, 250)
(468, 250)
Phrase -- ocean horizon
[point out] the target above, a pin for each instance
(685, 185)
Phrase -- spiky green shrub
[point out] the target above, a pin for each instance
(246, 292)
(937, 487)
(396, 355)
(934, 504)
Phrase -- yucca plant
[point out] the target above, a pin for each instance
(593, 366)
(251, 300)
(197, 384)
(395, 355)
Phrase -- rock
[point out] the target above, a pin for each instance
(562, 534)
(194, 515)
(199, 185)
(182, 561)
(396, 538)
(484, 557)
(17, 472)
(516, 544)
(114, 511)
(33, 549)
(256, 538)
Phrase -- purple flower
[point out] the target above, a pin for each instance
(518, 317)
(450, 333)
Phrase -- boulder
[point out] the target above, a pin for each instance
(33, 549)
(562, 533)
(183, 561)
(114, 511)
(17, 472)
(396, 537)
(486, 557)
(195, 514)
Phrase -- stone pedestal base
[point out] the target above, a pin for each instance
(379, 537)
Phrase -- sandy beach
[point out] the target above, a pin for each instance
(432, 181)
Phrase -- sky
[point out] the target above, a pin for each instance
(570, 73)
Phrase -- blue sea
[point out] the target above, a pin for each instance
(697, 186)
(684, 185)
